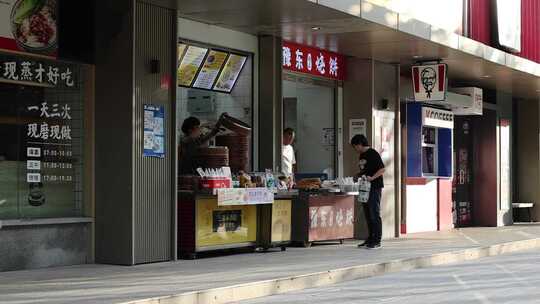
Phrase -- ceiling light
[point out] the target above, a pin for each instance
(417, 56)
(485, 76)
(315, 28)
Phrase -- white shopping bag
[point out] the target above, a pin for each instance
(364, 186)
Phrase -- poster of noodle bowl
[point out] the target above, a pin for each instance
(29, 26)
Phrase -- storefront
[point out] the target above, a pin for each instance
(275, 88)
(459, 167)
(311, 81)
(128, 108)
(312, 107)
(483, 173)
(429, 149)
(212, 80)
(45, 154)
(217, 216)
(466, 113)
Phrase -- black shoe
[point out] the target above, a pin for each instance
(364, 244)
(373, 246)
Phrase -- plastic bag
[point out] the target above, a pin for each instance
(364, 186)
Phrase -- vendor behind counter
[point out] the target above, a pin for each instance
(192, 140)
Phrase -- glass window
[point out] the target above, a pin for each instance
(41, 127)
(429, 151)
(9, 153)
(208, 105)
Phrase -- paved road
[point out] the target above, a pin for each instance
(503, 279)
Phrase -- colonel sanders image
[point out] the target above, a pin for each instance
(429, 78)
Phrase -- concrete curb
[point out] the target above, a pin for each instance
(282, 285)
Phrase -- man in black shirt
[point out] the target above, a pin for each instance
(371, 167)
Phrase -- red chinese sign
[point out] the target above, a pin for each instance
(305, 59)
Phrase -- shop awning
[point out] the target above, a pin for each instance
(360, 29)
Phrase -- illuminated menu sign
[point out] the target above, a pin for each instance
(189, 65)
(210, 70)
(181, 49)
(230, 73)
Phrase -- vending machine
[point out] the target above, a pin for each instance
(429, 168)
(429, 141)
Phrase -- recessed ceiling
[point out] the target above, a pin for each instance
(294, 20)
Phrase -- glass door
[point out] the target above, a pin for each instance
(309, 109)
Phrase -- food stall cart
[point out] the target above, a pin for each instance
(232, 218)
(320, 215)
(215, 213)
(206, 226)
(275, 222)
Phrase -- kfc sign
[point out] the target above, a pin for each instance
(304, 59)
(429, 82)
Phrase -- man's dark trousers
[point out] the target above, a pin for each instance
(372, 210)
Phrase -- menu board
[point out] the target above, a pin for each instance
(210, 70)
(181, 49)
(230, 73)
(189, 65)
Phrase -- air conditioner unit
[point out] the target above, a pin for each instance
(465, 101)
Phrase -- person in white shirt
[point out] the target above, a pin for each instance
(288, 160)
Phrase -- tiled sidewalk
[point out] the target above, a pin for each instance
(114, 284)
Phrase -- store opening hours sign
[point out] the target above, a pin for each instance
(309, 60)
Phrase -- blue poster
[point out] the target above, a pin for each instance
(154, 135)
